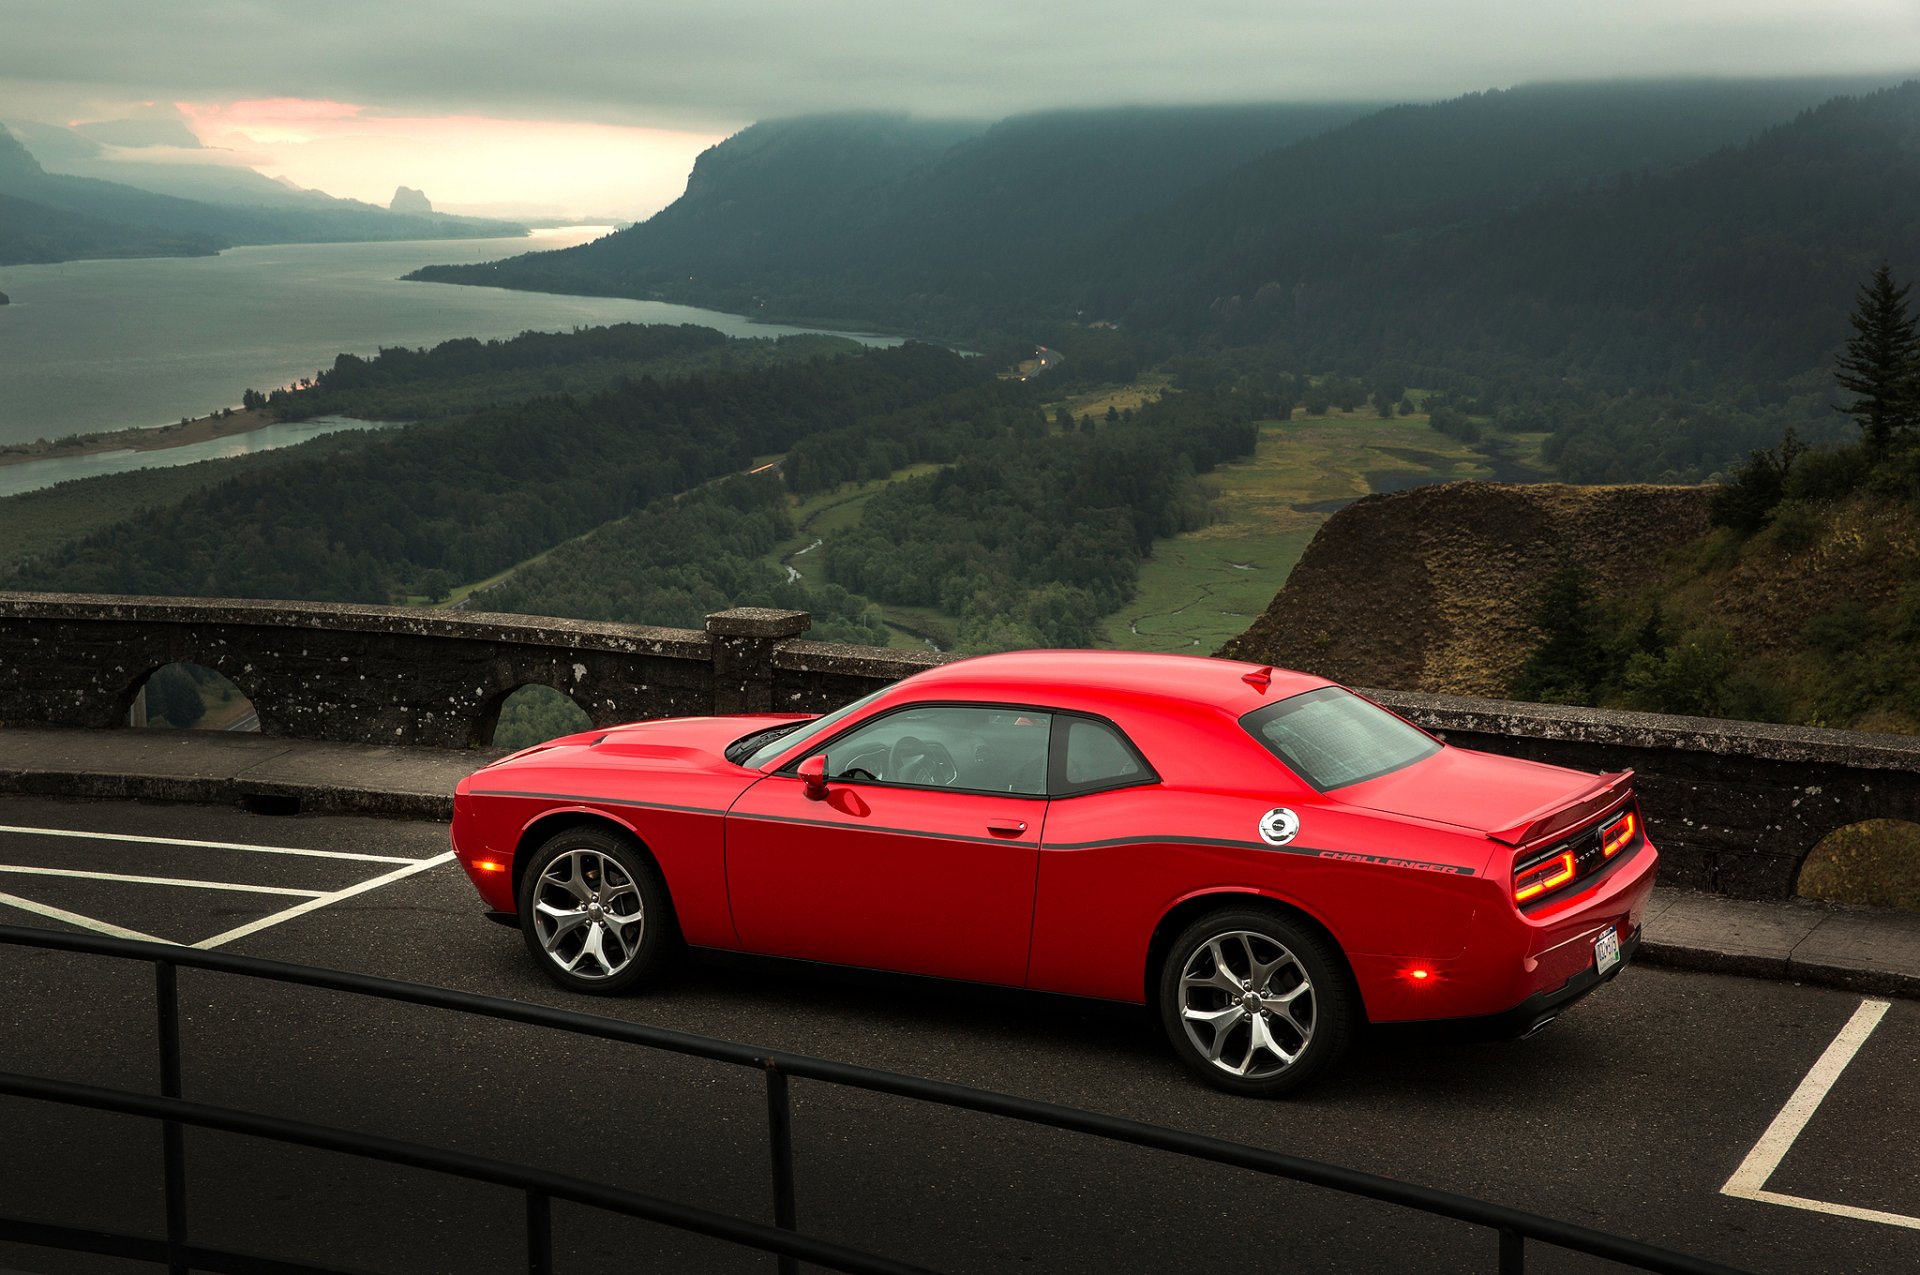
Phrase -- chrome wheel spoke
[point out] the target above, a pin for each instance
(1263, 971)
(593, 947)
(1221, 978)
(1263, 1039)
(571, 881)
(1218, 1019)
(558, 922)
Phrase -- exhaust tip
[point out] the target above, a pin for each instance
(1538, 1027)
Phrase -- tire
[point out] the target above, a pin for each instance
(594, 913)
(1254, 1002)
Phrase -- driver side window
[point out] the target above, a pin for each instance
(948, 746)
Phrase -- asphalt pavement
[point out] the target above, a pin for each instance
(1633, 1112)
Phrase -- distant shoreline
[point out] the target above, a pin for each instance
(150, 438)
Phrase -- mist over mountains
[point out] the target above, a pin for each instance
(1655, 272)
(106, 205)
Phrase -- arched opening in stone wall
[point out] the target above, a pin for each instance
(184, 696)
(1874, 862)
(533, 714)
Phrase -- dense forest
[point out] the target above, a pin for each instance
(418, 510)
(466, 374)
(1028, 537)
(682, 558)
(1653, 273)
(1032, 541)
(1803, 604)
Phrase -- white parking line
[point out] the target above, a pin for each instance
(325, 900)
(74, 918)
(79, 874)
(1749, 1181)
(203, 845)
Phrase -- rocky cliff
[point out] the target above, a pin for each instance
(408, 200)
(1432, 589)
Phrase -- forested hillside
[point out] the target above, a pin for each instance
(418, 510)
(1025, 537)
(936, 226)
(1653, 273)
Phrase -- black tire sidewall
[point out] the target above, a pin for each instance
(1335, 1002)
(658, 930)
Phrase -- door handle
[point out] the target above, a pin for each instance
(1006, 827)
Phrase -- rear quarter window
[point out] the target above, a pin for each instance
(1090, 755)
(1331, 737)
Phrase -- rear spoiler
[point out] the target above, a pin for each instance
(1551, 820)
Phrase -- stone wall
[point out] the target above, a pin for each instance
(404, 675)
(1735, 806)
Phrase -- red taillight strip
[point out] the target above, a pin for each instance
(1617, 837)
(1551, 875)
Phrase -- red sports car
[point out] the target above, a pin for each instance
(1267, 859)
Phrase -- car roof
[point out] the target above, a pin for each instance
(1092, 680)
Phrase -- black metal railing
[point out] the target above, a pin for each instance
(1512, 1227)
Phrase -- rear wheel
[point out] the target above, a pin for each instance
(594, 912)
(1254, 1002)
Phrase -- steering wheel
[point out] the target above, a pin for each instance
(922, 761)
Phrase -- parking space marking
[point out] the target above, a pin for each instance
(74, 918)
(82, 874)
(1749, 1181)
(325, 900)
(204, 845)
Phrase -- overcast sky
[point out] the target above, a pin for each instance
(654, 82)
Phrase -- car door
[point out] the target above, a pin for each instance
(920, 857)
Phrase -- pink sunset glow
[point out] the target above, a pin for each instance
(460, 161)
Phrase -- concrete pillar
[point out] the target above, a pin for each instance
(744, 639)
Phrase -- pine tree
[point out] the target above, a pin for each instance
(1881, 367)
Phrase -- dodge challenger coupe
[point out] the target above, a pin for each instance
(1265, 858)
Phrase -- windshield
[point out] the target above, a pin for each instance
(807, 730)
(1332, 737)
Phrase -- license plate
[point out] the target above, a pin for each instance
(1606, 950)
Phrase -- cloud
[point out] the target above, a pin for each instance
(717, 64)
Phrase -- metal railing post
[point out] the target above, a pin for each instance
(539, 1233)
(780, 1144)
(1513, 1252)
(172, 1144)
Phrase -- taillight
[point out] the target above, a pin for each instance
(1548, 874)
(1615, 837)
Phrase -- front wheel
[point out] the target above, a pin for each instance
(1255, 1002)
(594, 912)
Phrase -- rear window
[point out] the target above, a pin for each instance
(1332, 737)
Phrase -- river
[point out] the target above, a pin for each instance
(100, 345)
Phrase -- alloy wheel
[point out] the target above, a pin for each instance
(587, 914)
(1247, 1004)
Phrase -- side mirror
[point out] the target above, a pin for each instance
(813, 773)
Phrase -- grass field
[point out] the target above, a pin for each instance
(1125, 398)
(1203, 587)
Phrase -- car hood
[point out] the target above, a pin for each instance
(1501, 797)
(669, 742)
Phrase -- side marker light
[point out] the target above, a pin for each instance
(489, 865)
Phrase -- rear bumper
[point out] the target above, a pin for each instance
(1541, 1008)
(1518, 968)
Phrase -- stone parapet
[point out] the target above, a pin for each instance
(1734, 806)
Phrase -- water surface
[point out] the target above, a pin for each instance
(31, 475)
(99, 345)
